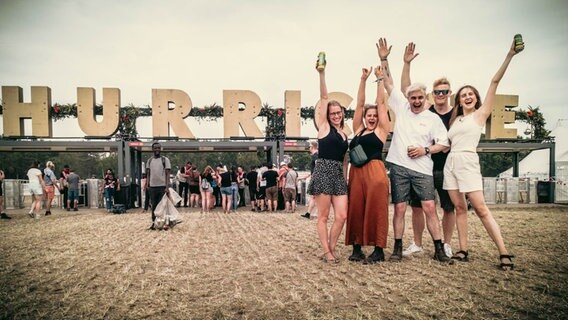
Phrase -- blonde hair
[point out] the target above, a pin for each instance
(440, 81)
(415, 87)
(49, 164)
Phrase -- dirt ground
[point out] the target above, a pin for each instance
(96, 265)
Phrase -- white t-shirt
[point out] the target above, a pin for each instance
(33, 174)
(420, 130)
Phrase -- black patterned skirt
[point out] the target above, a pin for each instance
(328, 178)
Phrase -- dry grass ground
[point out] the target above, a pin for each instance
(248, 265)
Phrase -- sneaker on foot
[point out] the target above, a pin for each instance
(412, 249)
(48, 213)
(75, 209)
(448, 250)
(305, 215)
(68, 209)
(3, 215)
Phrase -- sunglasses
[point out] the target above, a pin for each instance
(441, 92)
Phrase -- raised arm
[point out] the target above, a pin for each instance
(358, 116)
(384, 123)
(487, 107)
(409, 55)
(383, 49)
(324, 98)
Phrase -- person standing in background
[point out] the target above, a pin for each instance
(158, 170)
(73, 196)
(3, 214)
(314, 154)
(63, 184)
(111, 185)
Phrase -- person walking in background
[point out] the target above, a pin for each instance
(234, 188)
(290, 181)
(216, 187)
(50, 181)
(281, 172)
(368, 214)
(110, 186)
(261, 195)
(271, 178)
(158, 170)
(3, 214)
(37, 186)
(441, 91)
(328, 184)
(251, 178)
(73, 196)
(193, 180)
(417, 134)
(63, 184)
(314, 156)
(462, 173)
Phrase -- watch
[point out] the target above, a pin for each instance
(427, 150)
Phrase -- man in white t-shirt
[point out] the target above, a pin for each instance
(417, 134)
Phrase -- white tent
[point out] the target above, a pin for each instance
(536, 164)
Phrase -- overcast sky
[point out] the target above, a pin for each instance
(204, 47)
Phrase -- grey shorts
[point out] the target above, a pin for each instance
(445, 201)
(403, 180)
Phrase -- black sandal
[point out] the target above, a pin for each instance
(506, 266)
(461, 256)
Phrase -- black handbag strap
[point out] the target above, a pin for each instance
(357, 136)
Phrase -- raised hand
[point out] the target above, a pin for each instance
(379, 73)
(365, 73)
(383, 49)
(409, 53)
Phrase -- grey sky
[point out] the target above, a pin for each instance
(203, 47)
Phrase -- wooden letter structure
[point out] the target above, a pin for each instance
(163, 117)
(15, 111)
(86, 112)
(233, 118)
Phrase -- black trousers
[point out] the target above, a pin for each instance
(65, 196)
(146, 199)
(156, 194)
(183, 190)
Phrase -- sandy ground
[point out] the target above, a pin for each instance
(95, 265)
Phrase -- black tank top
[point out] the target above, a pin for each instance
(332, 146)
(439, 158)
(372, 145)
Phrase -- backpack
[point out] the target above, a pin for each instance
(118, 208)
(205, 185)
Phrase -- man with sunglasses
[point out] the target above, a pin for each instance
(441, 107)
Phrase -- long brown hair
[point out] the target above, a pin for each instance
(458, 109)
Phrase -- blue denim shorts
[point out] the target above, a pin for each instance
(227, 191)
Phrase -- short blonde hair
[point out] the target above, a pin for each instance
(415, 87)
(440, 81)
(49, 164)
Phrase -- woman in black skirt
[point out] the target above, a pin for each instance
(328, 184)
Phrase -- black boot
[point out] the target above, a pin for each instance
(377, 256)
(397, 251)
(440, 254)
(357, 254)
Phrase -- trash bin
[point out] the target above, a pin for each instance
(13, 194)
(544, 191)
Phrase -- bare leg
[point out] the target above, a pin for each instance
(448, 225)
(418, 224)
(323, 203)
(478, 202)
(432, 221)
(398, 219)
(340, 214)
(460, 204)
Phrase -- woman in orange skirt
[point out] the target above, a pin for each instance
(367, 217)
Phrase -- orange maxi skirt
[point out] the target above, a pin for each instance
(368, 214)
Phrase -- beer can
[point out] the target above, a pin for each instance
(321, 61)
(519, 44)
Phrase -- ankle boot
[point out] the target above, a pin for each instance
(440, 254)
(377, 256)
(357, 254)
(396, 253)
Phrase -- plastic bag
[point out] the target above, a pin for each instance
(166, 214)
(174, 196)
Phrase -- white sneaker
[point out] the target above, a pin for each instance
(412, 249)
(448, 250)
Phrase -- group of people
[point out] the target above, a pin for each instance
(43, 184)
(433, 148)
